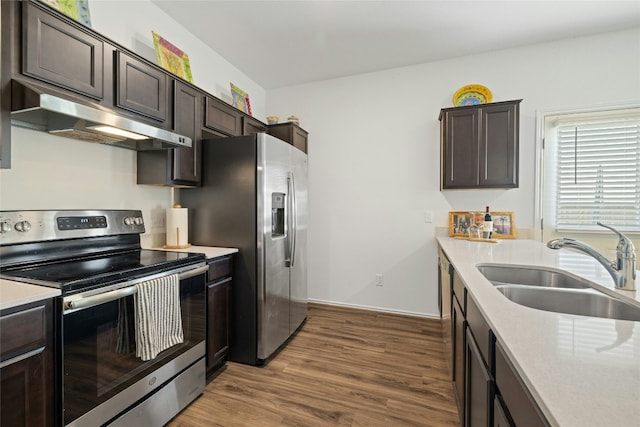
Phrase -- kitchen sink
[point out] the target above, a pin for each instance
(556, 291)
(583, 302)
(532, 276)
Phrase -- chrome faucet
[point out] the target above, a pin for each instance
(623, 269)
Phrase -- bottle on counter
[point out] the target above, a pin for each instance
(487, 225)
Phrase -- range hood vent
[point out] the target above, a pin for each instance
(34, 107)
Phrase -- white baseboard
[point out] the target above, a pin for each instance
(382, 310)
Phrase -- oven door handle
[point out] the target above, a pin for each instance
(93, 300)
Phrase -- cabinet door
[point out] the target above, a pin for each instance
(460, 148)
(26, 391)
(5, 93)
(186, 161)
(499, 146)
(250, 126)
(479, 387)
(218, 300)
(222, 117)
(61, 54)
(458, 340)
(299, 139)
(500, 414)
(141, 88)
(517, 399)
(26, 360)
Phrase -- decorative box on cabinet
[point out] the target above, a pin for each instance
(177, 166)
(480, 145)
(290, 132)
(219, 281)
(27, 365)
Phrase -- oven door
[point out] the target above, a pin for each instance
(101, 375)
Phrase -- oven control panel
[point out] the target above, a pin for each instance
(35, 226)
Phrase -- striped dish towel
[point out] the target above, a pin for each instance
(158, 316)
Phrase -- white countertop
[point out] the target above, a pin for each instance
(582, 371)
(13, 294)
(208, 251)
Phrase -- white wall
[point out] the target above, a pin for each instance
(130, 23)
(374, 157)
(49, 172)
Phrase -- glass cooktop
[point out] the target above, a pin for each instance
(81, 274)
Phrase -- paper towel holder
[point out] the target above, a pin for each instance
(177, 232)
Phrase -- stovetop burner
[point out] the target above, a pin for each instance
(80, 250)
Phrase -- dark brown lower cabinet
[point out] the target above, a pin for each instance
(518, 403)
(488, 390)
(218, 297)
(479, 387)
(459, 343)
(218, 311)
(500, 415)
(26, 365)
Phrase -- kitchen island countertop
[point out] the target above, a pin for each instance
(582, 371)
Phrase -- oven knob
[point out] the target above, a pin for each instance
(22, 226)
(5, 227)
(138, 220)
(128, 220)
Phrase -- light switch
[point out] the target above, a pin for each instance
(428, 216)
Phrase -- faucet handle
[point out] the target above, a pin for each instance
(625, 245)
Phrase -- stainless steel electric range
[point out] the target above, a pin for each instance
(94, 257)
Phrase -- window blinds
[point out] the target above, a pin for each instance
(598, 174)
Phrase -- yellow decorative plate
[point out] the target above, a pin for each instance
(471, 95)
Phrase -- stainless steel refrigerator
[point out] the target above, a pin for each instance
(254, 197)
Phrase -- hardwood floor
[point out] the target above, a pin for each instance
(345, 367)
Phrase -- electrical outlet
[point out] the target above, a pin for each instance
(428, 216)
(379, 279)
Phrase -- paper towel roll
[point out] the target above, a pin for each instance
(177, 227)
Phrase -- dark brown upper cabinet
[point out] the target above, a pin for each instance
(480, 145)
(58, 53)
(177, 166)
(141, 88)
(222, 117)
(250, 125)
(291, 133)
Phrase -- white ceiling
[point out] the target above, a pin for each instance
(282, 43)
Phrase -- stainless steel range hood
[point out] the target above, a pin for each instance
(35, 107)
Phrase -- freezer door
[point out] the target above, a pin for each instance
(273, 242)
(299, 218)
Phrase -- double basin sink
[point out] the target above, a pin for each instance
(556, 291)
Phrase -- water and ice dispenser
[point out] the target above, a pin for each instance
(277, 214)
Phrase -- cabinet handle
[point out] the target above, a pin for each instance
(21, 357)
(228, 279)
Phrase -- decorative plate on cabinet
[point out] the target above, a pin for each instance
(472, 95)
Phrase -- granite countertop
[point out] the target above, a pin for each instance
(208, 251)
(582, 371)
(13, 294)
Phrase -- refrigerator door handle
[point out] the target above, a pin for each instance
(294, 220)
(288, 256)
